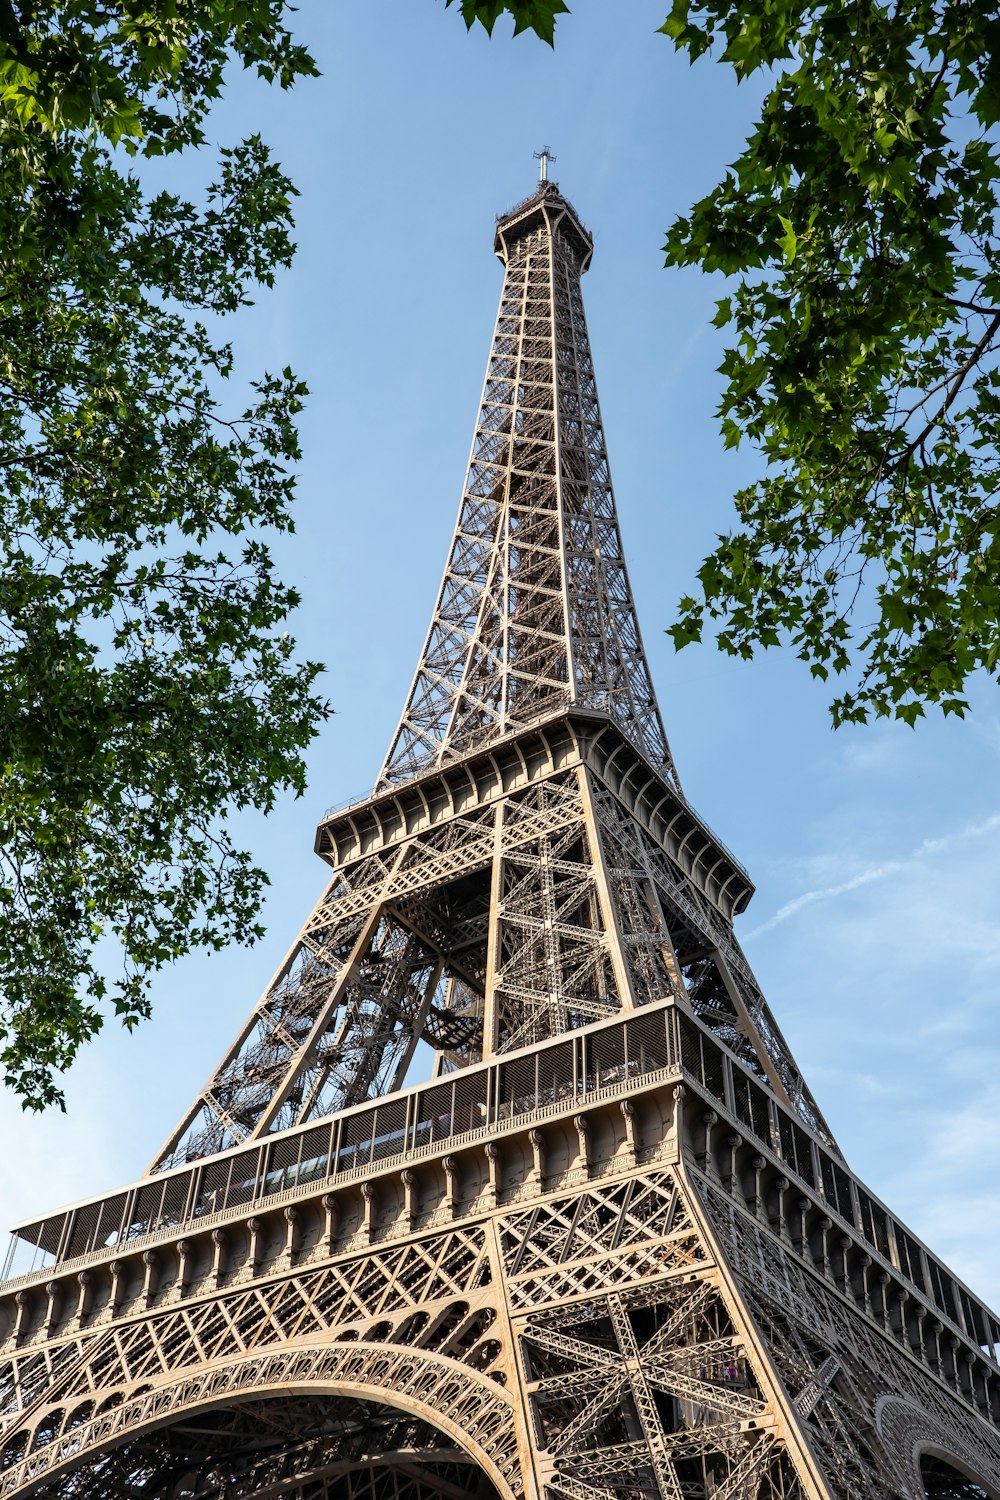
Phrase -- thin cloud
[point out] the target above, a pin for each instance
(940, 1188)
(876, 872)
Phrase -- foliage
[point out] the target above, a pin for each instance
(860, 223)
(529, 15)
(148, 686)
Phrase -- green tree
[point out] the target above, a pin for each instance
(149, 686)
(860, 228)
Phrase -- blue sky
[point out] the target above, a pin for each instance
(876, 851)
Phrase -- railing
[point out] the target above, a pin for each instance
(488, 742)
(357, 799)
(575, 1070)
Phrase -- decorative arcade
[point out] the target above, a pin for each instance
(609, 1249)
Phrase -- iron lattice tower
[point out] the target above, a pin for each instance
(610, 1250)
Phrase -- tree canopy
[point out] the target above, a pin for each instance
(859, 230)
(149, 684)
(860, 224)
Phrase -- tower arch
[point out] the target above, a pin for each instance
(278, 1409)
(945, 1477)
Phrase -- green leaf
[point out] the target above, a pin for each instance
(788, 241)
(538, 16)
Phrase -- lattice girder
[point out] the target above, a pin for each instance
(544, 909)
(535, 609)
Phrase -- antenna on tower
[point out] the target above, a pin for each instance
(543, 158)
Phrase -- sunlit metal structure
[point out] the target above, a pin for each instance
(610, 1249)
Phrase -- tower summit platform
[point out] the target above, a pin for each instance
(549, 213)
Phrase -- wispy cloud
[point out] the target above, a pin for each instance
(946, 1186)
(881, 871)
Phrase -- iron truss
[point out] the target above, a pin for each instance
(544, 910)
(535, 612)
(610, 1251)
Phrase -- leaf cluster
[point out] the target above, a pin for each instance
(538, 16)
(149, 686)
(141, 71)
(859, 226)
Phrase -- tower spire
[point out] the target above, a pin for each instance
(543, 158)
(535, 611)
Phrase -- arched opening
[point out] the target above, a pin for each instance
(942, 1481)
(290, 1447)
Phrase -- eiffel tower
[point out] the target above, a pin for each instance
(607, 1248)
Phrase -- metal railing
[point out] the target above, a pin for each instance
(572, 1071)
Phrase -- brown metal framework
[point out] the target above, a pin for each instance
(535, 612)
(610, 1250)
